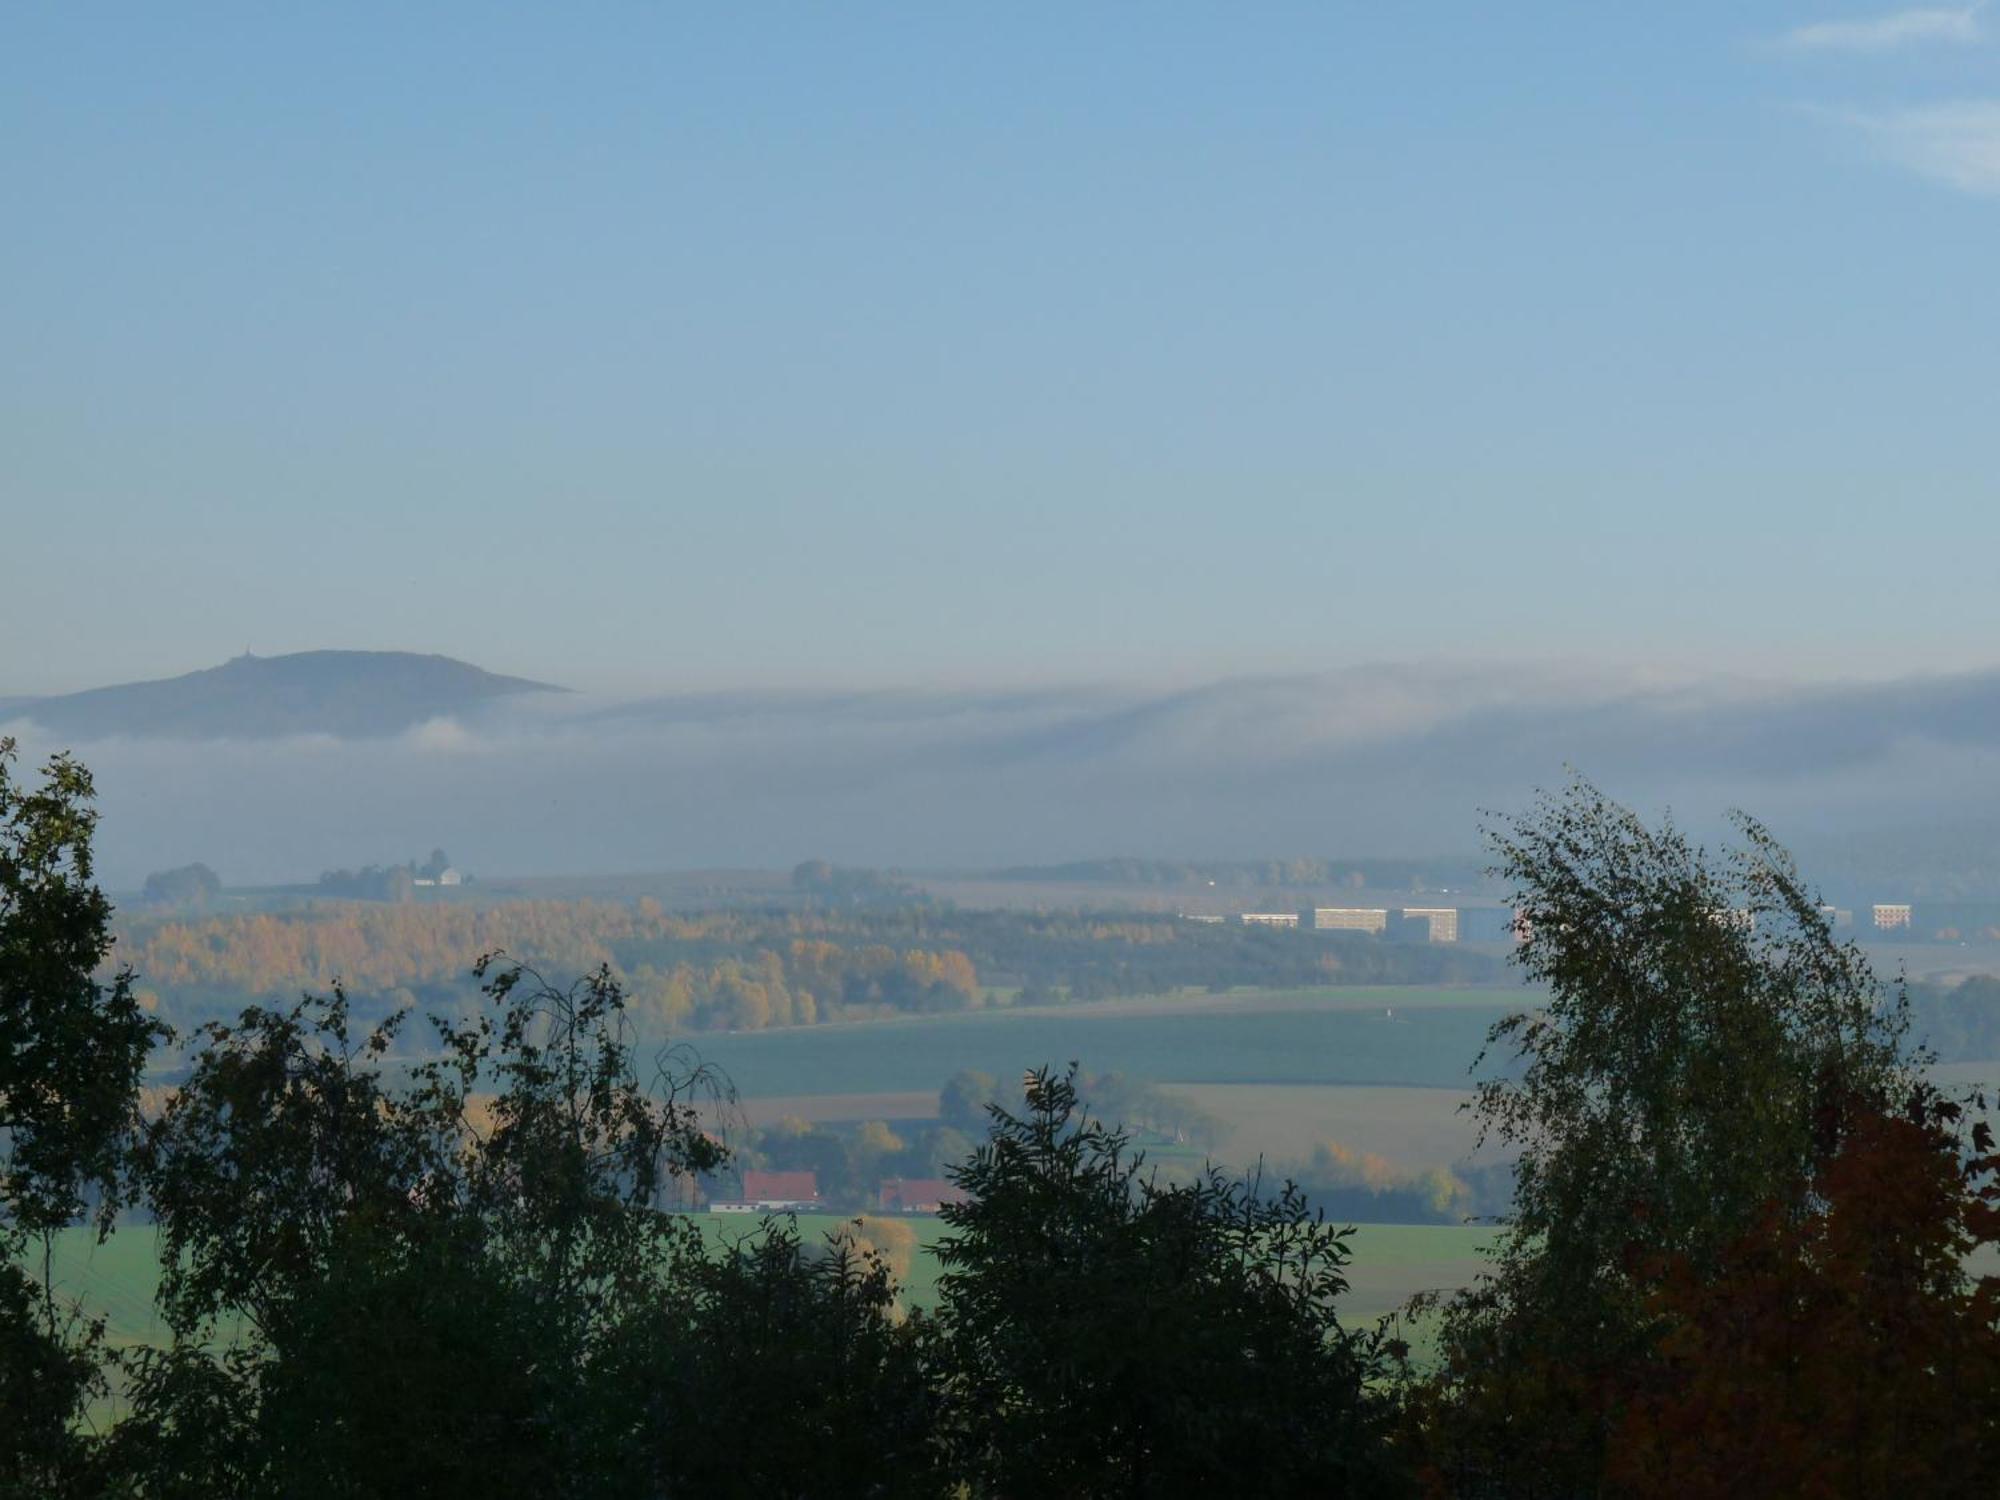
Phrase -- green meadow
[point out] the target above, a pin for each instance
(1402, 1036)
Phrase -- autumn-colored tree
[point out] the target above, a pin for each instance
(893, 1240)
(1844, 1353)
(875, 1140)
(690, 972)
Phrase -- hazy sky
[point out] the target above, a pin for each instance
(651, 346)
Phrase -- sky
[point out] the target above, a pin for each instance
(644, 347)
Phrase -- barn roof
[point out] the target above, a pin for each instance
(780, 1187)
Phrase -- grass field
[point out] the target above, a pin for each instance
(115, 1279)
(1412, 1127)
(1425, 1038)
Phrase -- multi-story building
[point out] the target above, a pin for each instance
(1889, 918)
(1485, 924)
(1442, 921)
(1351, 918)
(1270, 919)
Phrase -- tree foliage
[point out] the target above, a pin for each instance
(72, 1048)
(185, 885)
(773, 1368)
(966, 1097)
(49, 1369)
(1698, 1012)
(384, 1242)
(1108, 1335)
(1699, 1016)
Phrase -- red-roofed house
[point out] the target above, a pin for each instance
(772, 1191)
(918, 1195)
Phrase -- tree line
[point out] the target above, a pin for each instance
(680, 974)
(745, 970)
(1260, 874)
(850, 1160)
(1959, 1022)
(1734, 1261)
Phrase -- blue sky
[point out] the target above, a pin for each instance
(663, 346)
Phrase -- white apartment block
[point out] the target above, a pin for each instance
(1351, 918)
(1442, 921)
(1889, 918)
(1270, 919)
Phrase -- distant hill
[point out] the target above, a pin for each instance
(352, 694)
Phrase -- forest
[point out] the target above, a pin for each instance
(1735, 1259)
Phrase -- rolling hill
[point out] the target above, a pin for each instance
(350, 694)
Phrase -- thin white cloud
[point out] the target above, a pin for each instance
(1956, 144)
(1957, 26)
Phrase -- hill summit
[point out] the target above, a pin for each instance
(351, 694)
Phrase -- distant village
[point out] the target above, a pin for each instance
(392, 882)
(1451, 924)
(762, 1192)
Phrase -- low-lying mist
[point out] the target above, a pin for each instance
(1374, 761)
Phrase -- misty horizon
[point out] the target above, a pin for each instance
(1382, 761)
